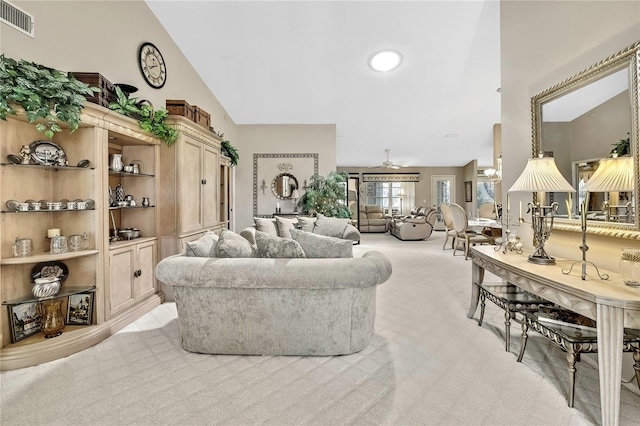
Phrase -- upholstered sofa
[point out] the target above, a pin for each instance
(416, 226)
(372, 219)
(266, 306)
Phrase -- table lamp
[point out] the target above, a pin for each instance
(295, 195)
(613, 174)
(541, 175)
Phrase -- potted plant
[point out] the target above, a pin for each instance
(622, 147)
(150, 120)
(47, 96)
(327, 196)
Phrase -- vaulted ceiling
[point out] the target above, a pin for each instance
(306, 62)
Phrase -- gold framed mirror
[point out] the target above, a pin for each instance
(283, 185)
(580, 121)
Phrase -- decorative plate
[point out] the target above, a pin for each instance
(43, 204)
(90, 203)
(50, 269)
(47, 153)
(14, 159)
(12, 205)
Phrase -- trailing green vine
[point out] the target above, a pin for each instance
(149, 119)
(230, 151)
(48, 96)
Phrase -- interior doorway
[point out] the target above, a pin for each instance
(443, 190)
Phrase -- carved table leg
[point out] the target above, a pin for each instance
(477, 275)
(523, 344)
(571, 366)
(610, 330)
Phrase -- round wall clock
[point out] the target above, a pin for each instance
(152, 65)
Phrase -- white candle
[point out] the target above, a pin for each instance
(520, 215)
(53, 232)
(277, 205)
(508, 203)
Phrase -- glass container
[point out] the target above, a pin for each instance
(630, 266)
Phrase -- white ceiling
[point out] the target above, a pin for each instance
(305, 62)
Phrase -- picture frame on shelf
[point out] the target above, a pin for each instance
(468, 192)
(80, 309)
(24, 321)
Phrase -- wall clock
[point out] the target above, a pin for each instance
(152, 65)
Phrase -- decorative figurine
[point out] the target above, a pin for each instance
(25, 153)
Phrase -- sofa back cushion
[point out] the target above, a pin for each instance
(277, 247)
(204, 246)
(320, 246)
(307, 223)
(374, 212)
(267, 225)
(284, 225)
(330, 226)
(231, 244)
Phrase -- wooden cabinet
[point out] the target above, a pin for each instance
(189, 186)
(131, 275)
(101, 132)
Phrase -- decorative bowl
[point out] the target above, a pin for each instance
(46, 287)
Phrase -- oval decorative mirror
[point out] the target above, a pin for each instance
(283, 185)
(585, 119)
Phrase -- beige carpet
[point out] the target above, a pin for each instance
(427, 364)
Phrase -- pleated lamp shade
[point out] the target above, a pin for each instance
(541, 175)
(613, 174)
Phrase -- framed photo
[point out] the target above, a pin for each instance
(468, 194)
(80, 309)
(25, 321)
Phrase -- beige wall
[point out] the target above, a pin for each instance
(542, 43)
(104, 37)
(471, 175)
(277, 139)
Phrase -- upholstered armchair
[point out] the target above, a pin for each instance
(372, 219)
(417, 226)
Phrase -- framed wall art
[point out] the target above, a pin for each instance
(468, 192)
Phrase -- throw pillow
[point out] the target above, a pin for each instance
(307, 223)
(330, 226)
(320, 246)
(277, 247)
(204, 246)
(284, 225)
(231, 244)
(266, 225)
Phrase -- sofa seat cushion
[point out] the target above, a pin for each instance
(234, 245)
(271, 246)
(204, 246)
(321, 246)
(330, 226)
(377, 222)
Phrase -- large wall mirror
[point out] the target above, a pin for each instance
(578, 122)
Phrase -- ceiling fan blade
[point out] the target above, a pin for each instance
(394, 166)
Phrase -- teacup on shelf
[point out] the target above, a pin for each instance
(22, 207)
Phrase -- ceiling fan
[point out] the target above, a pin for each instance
(389, 164)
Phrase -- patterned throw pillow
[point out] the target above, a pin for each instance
(266, 225)
(204, 246)
(307, 223)
(330, 226)
(320, 246)
(277, 247)
(231, 244)
(284, 225)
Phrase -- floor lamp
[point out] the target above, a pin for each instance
(541, 175)
(612, 175)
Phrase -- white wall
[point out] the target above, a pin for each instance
(543, 43)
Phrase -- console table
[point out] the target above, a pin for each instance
(611, 303)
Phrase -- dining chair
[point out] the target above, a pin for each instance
(464, 235)
(449, 230)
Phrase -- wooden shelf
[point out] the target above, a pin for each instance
(130, 207)
(47, 167)
(127, 174)
(47, 211)
(46, 257)
(64, 292)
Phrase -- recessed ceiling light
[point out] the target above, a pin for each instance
(451, 135)
(385, 61)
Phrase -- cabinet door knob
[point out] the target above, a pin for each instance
(137, 273)
(204, 181)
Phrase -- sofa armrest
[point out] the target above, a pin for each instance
(351, 233)
(371, 269)
(249, 233)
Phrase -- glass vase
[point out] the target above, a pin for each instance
(630, 266)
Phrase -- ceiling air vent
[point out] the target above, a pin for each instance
(16, 18)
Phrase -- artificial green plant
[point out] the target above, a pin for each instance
(48, 96)
(327, 196)
(622, 147)
(149, 119)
